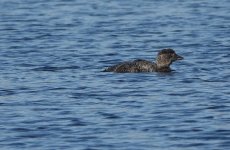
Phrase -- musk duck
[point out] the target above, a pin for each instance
(164, 59)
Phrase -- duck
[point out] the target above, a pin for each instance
(164, 59)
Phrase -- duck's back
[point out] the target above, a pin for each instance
(138, 65)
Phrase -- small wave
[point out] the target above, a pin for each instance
(54, 69)
(6, 92)
(109, 115)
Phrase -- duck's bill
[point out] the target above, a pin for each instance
(179, 57)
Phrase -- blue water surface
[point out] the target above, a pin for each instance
(53, 94)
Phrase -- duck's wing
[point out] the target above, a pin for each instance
(145, 65)
(138, 65)
(121, 67)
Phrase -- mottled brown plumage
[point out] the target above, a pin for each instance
(164, 59)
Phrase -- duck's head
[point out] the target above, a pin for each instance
(166, 56)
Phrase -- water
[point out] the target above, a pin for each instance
(53, 94)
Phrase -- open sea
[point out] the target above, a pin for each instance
(54, 95)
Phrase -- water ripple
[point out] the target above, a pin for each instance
(54, 95)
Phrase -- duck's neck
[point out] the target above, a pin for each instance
(163, 66)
